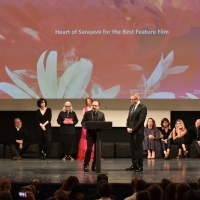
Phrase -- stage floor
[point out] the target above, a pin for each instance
(55, 171)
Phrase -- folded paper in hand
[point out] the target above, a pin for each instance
(69, 120)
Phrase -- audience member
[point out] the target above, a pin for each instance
(38, 195)
(143, 195)
(155, 192)
(192, 195)
(105, 191)
(97, 195)
(133, 181)
(170, 192)
(76, 192)
(181, 189)
(198, 185)
(5, 185)
(61, 195)
(66, 187)
(164, 183)
(5, 195)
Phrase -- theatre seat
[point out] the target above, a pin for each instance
(192, 152)
(1, 150)
(174, 151)
(107, 150)
(122, 150)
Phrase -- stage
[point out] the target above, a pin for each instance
(52, 172)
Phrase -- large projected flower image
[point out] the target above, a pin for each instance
(99, 48)
(71, 84)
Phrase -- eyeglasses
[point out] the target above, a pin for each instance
(133, 99)
(18, 121)
(95, 105)
(67, 106)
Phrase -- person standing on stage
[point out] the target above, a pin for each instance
(194, 132)
(67, 134)
(83, 141)
(43, 116)
(135, 128)
(18, 143)
(93, 115)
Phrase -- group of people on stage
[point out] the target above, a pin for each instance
(148, 138)
(67, 119)
(154, 140)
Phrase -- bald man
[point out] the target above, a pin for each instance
(195, 135)
(135, 128)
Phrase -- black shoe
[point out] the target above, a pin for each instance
(44, 156)
(131, 168)
(139, 169)
(86, 169)
(94, 168)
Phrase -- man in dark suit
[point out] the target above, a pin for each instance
(195, 135)
(18, 143)
(93, 115)
(135, 128)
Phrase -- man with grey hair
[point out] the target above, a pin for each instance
(195, 135)
(92, 115)
(135, 128)
(18, 143)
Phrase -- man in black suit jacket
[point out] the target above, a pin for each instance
(195, 135)
(18, 143)
(93, 115)
(135, 128)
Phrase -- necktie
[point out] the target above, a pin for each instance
(132, 110)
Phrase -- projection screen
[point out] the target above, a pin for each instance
(100, 48)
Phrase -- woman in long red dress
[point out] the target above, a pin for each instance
(83, 142)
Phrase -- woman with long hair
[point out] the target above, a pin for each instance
(83, 141)
(178, 135)
(151, 141)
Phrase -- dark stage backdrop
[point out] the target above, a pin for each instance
(116, 134)
(28, 118)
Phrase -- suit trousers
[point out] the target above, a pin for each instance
(136, 148)
(91, 139)
(16, 152)
(45, 142)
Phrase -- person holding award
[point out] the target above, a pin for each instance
(67, 134)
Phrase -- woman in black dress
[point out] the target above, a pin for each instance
(43, 115)
(167, 136)
(67, 120)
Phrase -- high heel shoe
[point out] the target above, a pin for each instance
(44, 156)
(65, 158)
(185, 152)
(179, 157)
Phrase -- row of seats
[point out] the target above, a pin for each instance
(109, 150)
